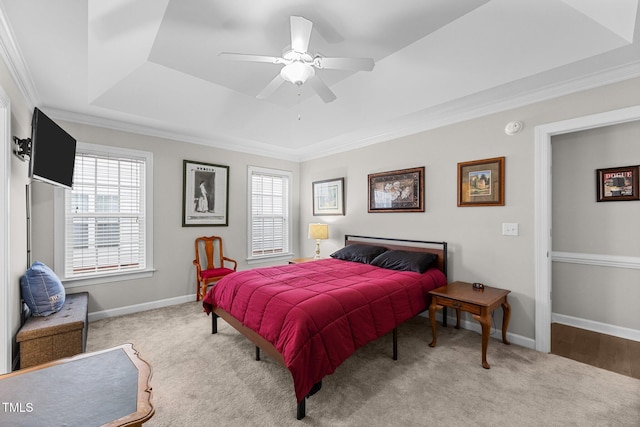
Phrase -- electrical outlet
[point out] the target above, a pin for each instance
(509, 228)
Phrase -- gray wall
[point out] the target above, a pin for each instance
(583, 226)
(173, 245)
(478, 251)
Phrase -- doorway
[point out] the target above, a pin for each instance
(543, 252)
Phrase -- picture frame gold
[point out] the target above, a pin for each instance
(481, 182)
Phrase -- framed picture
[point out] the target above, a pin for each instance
(397, 191)
(617, 184)
(328, 197)
(205, 194)
(481, 182)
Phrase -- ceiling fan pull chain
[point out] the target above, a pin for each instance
(299, 102)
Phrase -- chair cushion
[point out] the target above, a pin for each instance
(215, 272)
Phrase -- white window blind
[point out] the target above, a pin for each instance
(270, 227)
(105, 216)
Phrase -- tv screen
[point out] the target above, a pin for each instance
(53, 152)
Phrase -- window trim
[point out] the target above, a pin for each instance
(59, 219)
(271, 257)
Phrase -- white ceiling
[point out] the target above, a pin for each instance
(152, 66)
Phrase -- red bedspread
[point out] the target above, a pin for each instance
(316, 314)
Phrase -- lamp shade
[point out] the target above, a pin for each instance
(318, 231)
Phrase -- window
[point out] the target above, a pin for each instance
(103, 223)
(270, 213)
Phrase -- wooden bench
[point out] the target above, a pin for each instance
(61, 334)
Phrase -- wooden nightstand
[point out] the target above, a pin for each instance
(300, 260)
(479, 302)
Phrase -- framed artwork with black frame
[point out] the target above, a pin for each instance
(481, 182)
(328, 197)
(205, 194)
(617, 184)
(397, 191)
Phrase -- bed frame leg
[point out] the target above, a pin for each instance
(301, 411)
(257, 353)
(214, 323)
(395, 343)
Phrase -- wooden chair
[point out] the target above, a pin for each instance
(210, 263)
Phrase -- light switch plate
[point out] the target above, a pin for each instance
(509, 228)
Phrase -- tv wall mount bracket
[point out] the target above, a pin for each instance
(22, 148)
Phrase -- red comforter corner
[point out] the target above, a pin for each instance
(317, 314)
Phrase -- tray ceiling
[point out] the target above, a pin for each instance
(152, 66)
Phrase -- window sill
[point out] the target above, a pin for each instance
(106, 278)
(279, 257)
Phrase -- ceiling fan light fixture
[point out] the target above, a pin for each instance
(297, 72)
(299, 65)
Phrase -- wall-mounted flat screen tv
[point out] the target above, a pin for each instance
(53, 152)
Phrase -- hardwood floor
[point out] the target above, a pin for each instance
(604, 351)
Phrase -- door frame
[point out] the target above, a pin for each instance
(5, 214)
(543, 181)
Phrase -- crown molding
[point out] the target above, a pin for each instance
(218, 141)
(12, 57)
(470, 107)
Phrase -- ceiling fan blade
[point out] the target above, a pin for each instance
(251, 58)
(322, 89)
(271, 87)
(355, 64)
(300, 33)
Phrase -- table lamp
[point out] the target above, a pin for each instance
(318, 232)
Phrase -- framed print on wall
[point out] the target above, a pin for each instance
(205, 194)
(617, 184)
(397, 191)
(328, 197)
(481, 182)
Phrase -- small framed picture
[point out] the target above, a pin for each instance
(617, 184)
(397, 191)
(205, 194)
(481, 182)
(328, 197)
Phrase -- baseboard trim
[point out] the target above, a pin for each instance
(591, 325)
(130, 309)
(495, 333)
(465, 324)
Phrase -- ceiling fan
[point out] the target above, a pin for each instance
(300, 64)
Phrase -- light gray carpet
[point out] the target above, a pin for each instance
(201, 379)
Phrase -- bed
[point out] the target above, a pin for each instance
(312, 316)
